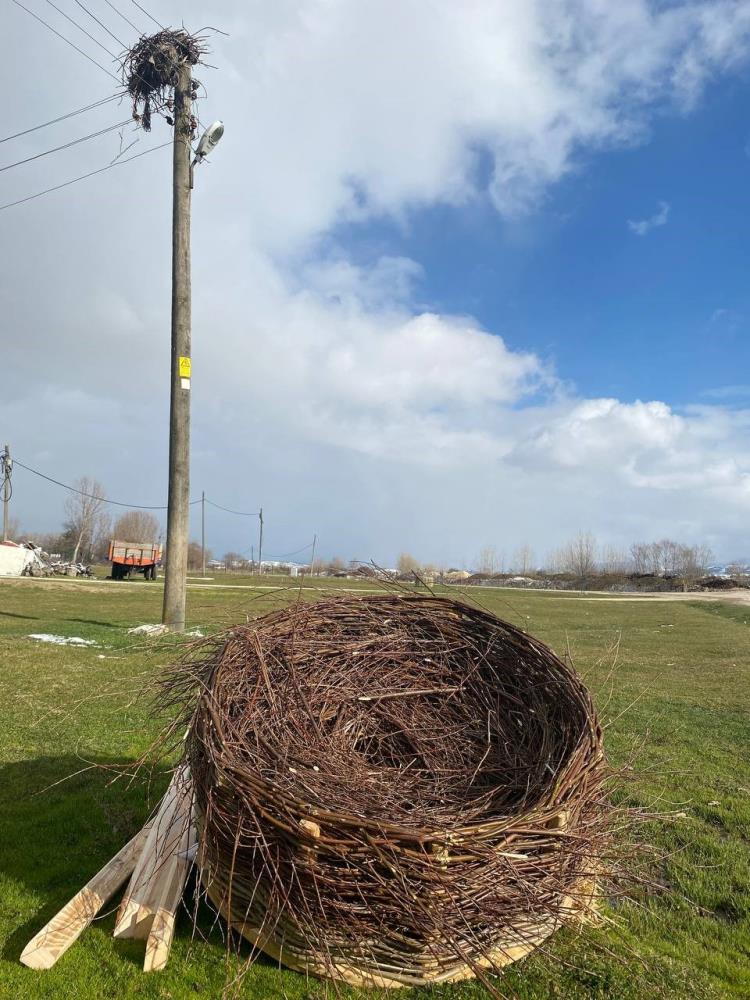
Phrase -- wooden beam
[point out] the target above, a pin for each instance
(54, 939)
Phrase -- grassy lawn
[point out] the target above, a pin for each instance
(682, 681)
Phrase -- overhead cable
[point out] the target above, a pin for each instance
(62, 118)
(66, 145)
(67, 40)
(82, 177)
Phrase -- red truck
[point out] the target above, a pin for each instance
(134, 557)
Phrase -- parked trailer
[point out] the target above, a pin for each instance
(134, 557)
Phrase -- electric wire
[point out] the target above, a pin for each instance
(143, 9)
(115, 503)
(100, 23)
(81, 28)
(67, 145)
(239, 513)
(67, 40)
(62, 118)
(133, 26)
(91, 173)
(93, 496)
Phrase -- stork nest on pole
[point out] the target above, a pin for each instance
(392, 790)
(150, 71)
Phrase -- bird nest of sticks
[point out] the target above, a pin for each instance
(151, 68)
(392, 790)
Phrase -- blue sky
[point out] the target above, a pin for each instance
(659, 316)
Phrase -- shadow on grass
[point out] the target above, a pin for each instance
(59, 825)
(97, 621)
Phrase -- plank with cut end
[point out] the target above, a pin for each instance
(166, 902)
(54, 939)
(136, 912)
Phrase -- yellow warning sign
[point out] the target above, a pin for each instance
(185, 366)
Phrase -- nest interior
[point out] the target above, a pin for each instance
(393, 790)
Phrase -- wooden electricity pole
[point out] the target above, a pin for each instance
(203, 531)
(6, 467)
(260, 541)
(178, 513)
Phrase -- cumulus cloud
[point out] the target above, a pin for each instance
(325, 388)
(643, 226)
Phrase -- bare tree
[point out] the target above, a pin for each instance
(487, 560)
(579, 556)
(86, 515)
(613, 560)
(640, 556)
(234, 560)
(406, 563)
(14, 529)
(195, 555)
(523, 559)
(137, 526)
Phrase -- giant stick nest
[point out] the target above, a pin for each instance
(393, 790)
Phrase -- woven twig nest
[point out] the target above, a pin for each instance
(151, 70)
(393, 790)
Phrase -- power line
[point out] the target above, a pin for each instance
(143, 9)
(66, 40)
(74, 180)
(81, 28)
(67, 145)
(119, 503)
(101, 24)
(288, 555)
(239, 513)
(92, 496)
(62, 118)
(123, 17)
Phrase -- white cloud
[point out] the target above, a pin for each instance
(324, 387)
(643, 226)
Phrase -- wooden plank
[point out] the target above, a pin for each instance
(165, 904)
(136, 913)
(54, 939)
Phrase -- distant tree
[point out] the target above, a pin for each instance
(578, 557)
(523, 559)
(136, 526)
(234, 560)
(336, 565)
(487, 561)
(613, 560)
(14, 530)
(640, 557)
(195, 555)
(406, 563)
(86, 516)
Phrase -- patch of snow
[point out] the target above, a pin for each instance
(62, 640)
(161, 630)
(148, 630)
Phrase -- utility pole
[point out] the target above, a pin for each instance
(7, 465)
(178, 512)
(203, 531)
(312, 560)
(260, 541)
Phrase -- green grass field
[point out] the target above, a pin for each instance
(682, 682)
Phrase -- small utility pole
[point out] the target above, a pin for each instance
(7, 465)
(260, 540)
(312, 560)
(178, 512)
(203, 531)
